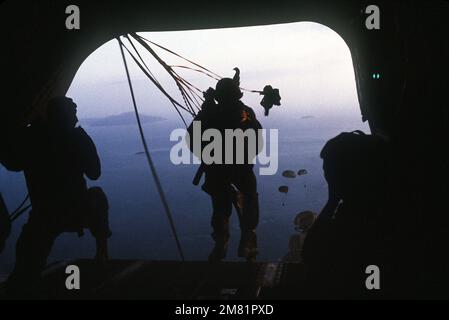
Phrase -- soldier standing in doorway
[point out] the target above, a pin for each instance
(229, 184)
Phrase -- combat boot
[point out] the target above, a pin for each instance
(248, 245)
(219, 251)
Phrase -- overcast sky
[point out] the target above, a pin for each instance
(308, 62)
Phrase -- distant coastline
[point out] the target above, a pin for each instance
(127, 118)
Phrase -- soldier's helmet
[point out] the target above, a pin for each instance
(61, 112)
(227, 90)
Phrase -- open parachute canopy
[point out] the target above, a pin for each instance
(289, 174)
(304, 220)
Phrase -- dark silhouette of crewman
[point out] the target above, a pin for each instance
(55, 156)
(5, 224)
(349, 232)
(230, 184)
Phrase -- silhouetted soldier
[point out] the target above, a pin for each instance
(229, 184)
(55, 157)
(349, 232)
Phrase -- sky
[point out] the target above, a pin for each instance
(309, 63)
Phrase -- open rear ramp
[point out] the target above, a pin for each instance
(138, 279)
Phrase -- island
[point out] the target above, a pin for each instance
(126, 118)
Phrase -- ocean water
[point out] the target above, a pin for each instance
(138, 222)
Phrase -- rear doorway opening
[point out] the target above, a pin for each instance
(310, 64)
